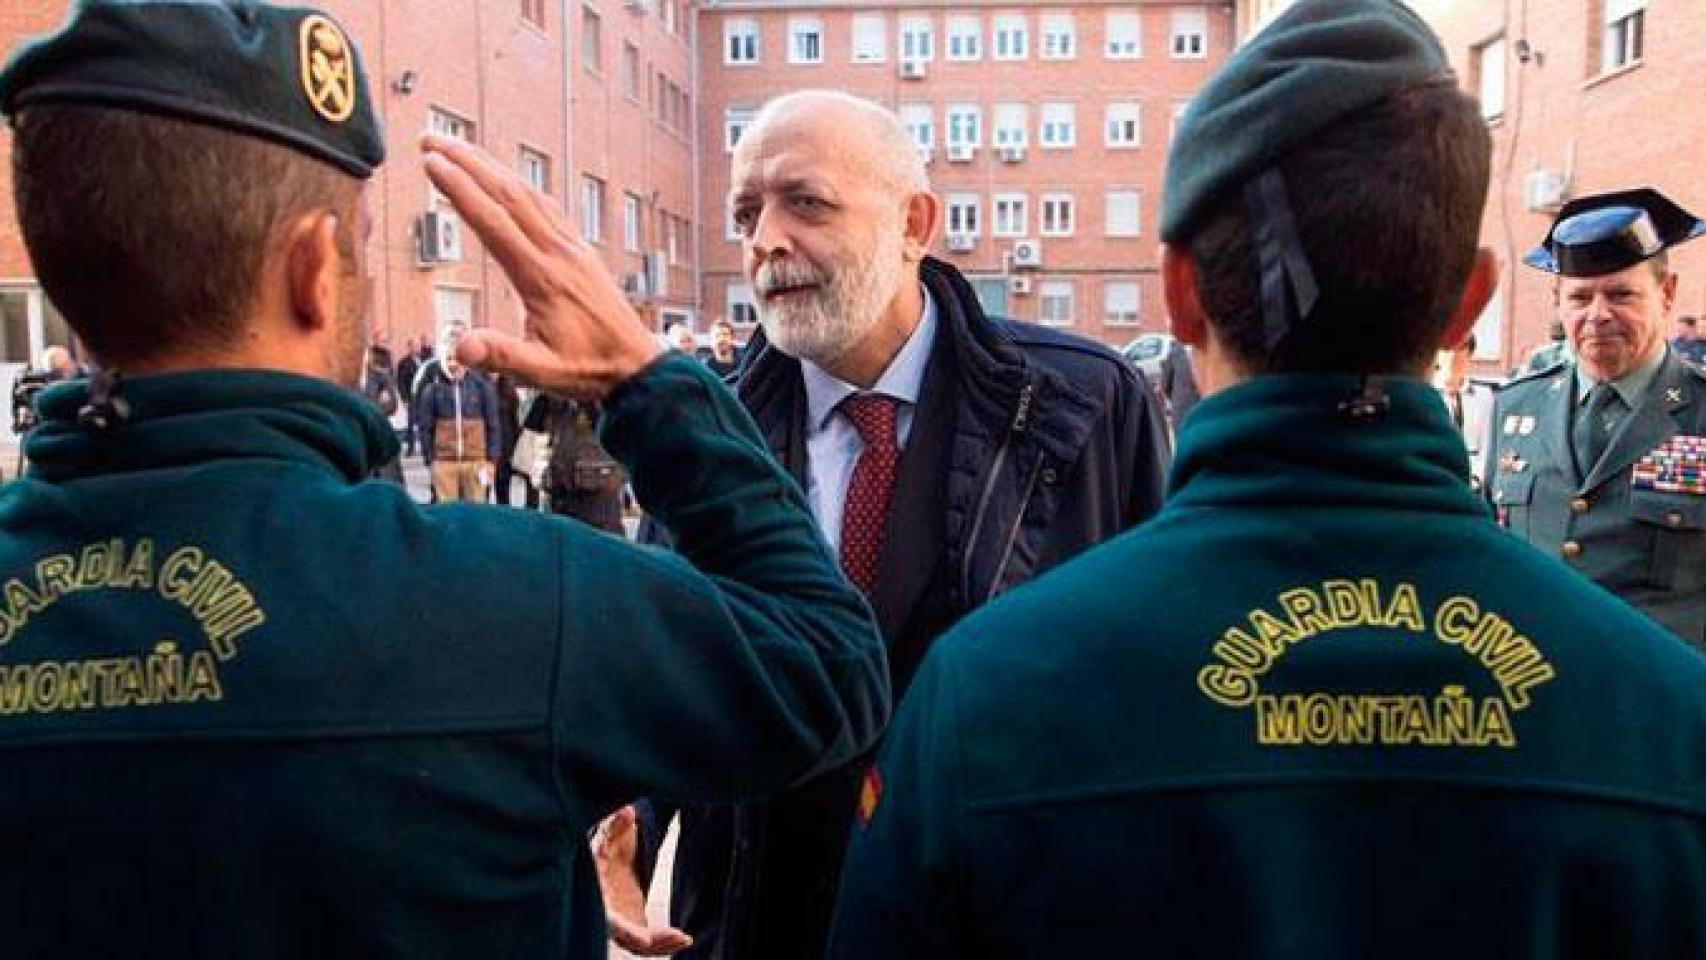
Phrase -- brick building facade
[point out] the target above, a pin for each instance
(1045, 124)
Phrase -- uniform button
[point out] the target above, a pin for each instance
(1673, 518)
(1572, 549)
(1580, 505)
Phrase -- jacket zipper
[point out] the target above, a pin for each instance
(1013, 531)
(456, 402)
(1021, 423)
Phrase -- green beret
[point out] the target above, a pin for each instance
(286, 74)
(1319, 61)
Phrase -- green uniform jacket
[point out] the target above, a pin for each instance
(1319, 707)
(253, 707)
(1648, 546)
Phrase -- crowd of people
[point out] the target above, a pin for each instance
(1296, 687)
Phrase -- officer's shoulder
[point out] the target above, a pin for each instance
(1541, 379)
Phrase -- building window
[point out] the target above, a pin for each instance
(870, 37)
(1057, 214)
(965, 123)
(1125, 36)
(743, 311)
(1060, 36)
(918, 120)
(535, 169)
(1120, 303)
(533, 11)
(740, 41)
(962, 214)
(1123, 209)
(1010, 218)
(1012, 42)
(735, 122)
(592, 209)
(1190, 34)
(1057, 126)
(1011, 119)
(1054, 303)
(1125, 125)
(1490, 74)
(1625, 34)
(592, 40)
(630, 71)
(630, 223)
(965, 37)
(450, 126)
(917, 44)
(805, 40)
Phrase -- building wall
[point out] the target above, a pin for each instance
(516, 78)
(1088, 259)
(1641, 125)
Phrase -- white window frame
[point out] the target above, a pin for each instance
(632, 207)
(592, 41)
(1189, 36)
(870, 38)
(632, 72)
(1490, 66)
(1059, 36)
(915, 40)
(1121, 117)
(799, 29)
(735, 122)
(964, 215)
(535, 168)
(1115, 301)
(1012, 121)
(1056, 291)
(1623, 41)
(971, 110)
(965, 37)
(1010, 215)
(919, 119)
(1011, 37)
(1111, 226)
(1057, 214)
(592, 209)
(741, 29)
(1057, 126)
(1123, 36)
(739, 293)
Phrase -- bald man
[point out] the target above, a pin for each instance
(946, 455)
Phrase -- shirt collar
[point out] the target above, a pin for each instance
(903, 379)
(1632, 386)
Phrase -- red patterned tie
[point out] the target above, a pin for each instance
(864, 517)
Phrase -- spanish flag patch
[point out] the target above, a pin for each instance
(870, 794)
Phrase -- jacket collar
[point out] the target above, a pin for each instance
(187, 419)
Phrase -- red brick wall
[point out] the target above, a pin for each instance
(1644, 125)
(1087, 170)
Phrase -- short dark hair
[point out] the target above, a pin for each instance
(149, 233)
(1388, 203)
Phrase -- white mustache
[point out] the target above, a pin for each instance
(773, 277)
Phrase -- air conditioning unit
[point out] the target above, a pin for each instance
(1012, 154)
(657, 272)
(912, 70)
(440, 237)
(1019, 286)
(1027, 253)
(1543, 191)
(961, 152)
(961, 242)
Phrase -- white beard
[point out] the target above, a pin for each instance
(823, 325)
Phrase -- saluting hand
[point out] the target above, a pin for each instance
(583, 337)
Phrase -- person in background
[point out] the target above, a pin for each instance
(460, 431)
(509, 429)
(407, 366)
(724, 358)
(1318, 707)
(679, 336)
(1688, 341)
(380, 390)
(582, 480)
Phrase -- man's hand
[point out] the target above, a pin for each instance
(583, 336)
(624, 901)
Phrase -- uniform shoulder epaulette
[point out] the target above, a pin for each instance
(1544, 373)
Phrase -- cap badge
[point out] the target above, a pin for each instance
(328, 69)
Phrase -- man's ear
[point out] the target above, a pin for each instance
(923, 214)
(1668, 289)
(1477, 292)
(1186, 318)
(315, 269)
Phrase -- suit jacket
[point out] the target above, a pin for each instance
(1642, 542)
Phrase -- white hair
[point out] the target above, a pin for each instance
(888, 153)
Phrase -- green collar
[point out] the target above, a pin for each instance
(1285, 441)
(1632, 387)
(185, 419)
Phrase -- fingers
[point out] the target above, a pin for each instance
(527, 361)
(487, 218)
(646, 941)
(501, 186)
